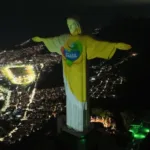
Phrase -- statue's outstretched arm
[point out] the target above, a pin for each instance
(103, 49)
(53, 44)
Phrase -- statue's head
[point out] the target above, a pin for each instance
(74, 26)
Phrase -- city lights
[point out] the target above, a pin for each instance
(28, 74)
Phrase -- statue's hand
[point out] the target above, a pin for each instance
(37, 39)
(123, 46)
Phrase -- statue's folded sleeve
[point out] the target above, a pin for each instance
(99, 49)
(54, 44)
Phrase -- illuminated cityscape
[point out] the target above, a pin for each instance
(25, 107)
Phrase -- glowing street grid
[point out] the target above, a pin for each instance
(27, 76)
(4, 91)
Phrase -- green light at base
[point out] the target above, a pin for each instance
(139, 132)
(130, 130)
(82, 137)
(139, 136)
(146, 130)
(83, 140)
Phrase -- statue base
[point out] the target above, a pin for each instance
(76, 133)
(74, 140)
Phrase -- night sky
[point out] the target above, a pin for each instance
(24, 19)
(20, 19)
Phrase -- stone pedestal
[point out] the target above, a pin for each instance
(76, 140)
(78, 134)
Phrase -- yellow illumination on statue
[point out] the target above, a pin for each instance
(75, 49)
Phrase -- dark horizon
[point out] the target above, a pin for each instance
(22, 20)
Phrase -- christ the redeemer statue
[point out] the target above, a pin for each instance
(76, 49)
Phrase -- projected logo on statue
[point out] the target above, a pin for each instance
(72, 53)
